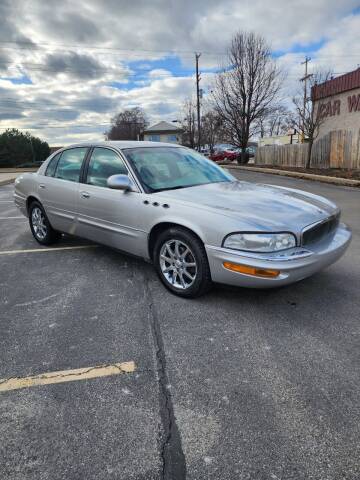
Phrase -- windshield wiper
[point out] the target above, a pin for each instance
(172, 188)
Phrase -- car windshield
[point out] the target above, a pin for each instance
(167, 168)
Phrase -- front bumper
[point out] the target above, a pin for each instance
(294, 264)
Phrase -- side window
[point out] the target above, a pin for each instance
(69, 165)
(50, 169)
(104, 163)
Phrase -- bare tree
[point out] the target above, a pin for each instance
(127, 125)
(276, 121)
(188, 122)
(246, 89)
(308, 121)
(211, 128)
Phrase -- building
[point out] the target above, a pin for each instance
(54, 149)
(337, 101)
(279, 139)
(163, 132)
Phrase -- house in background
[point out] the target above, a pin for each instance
(291, 137)
(163, 132)
(54, 149)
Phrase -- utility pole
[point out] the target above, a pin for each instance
(198, 78)
(305, 79)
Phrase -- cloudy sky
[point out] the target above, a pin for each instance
(66, 67)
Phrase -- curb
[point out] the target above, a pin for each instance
(7, 182)
(306, 176)
(18, 170)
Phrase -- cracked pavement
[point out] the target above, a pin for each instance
(238, 384)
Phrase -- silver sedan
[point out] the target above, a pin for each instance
(192, 219)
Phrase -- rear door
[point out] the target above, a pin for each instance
(58, 188)
(108, 216)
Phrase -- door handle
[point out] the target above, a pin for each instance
(41, 185)
(85, 194)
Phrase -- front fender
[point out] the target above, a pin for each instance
(182, 222)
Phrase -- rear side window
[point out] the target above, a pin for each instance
(69, 165)
(103, 164)
(50, 170)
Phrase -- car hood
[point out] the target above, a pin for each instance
(264, 207)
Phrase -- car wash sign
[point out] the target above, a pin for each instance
(331, 108)
(344, 87)
(354, 103)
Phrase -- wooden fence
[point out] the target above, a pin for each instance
(337, 149)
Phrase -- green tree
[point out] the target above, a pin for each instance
(21, 148)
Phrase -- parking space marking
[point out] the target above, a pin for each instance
(62, 376)
(8, 218)
(41, 250)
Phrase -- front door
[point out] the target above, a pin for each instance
(112, 217)
(58, 189)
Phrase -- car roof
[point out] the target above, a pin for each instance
(120, 144)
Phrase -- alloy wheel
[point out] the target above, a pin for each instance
(178, 264)
(38, 223)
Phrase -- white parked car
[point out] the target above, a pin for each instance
(192, 219)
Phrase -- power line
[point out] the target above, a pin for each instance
(139, 74)
(27, 45)
(40, 67)
(94, 47)
(44, 126)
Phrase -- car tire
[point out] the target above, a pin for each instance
(184, 272)
(40, 225)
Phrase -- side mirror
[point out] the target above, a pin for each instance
(120, 182)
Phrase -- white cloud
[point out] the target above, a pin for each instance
(80, 51)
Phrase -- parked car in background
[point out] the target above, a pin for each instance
(193, 220)
(231, 154)
(205, 151)
(251, 151)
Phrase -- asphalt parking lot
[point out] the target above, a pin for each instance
(238, 384)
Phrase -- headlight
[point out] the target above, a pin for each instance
(260, 242)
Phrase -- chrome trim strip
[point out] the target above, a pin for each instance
(61, 214)
(283, 256)
(95, 222)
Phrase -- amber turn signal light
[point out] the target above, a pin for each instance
(256, 272)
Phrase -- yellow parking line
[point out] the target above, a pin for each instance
(62, 376)
(53, 249)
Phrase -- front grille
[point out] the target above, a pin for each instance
(321, 230)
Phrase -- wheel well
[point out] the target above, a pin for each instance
(161, 227)
(29, 202)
